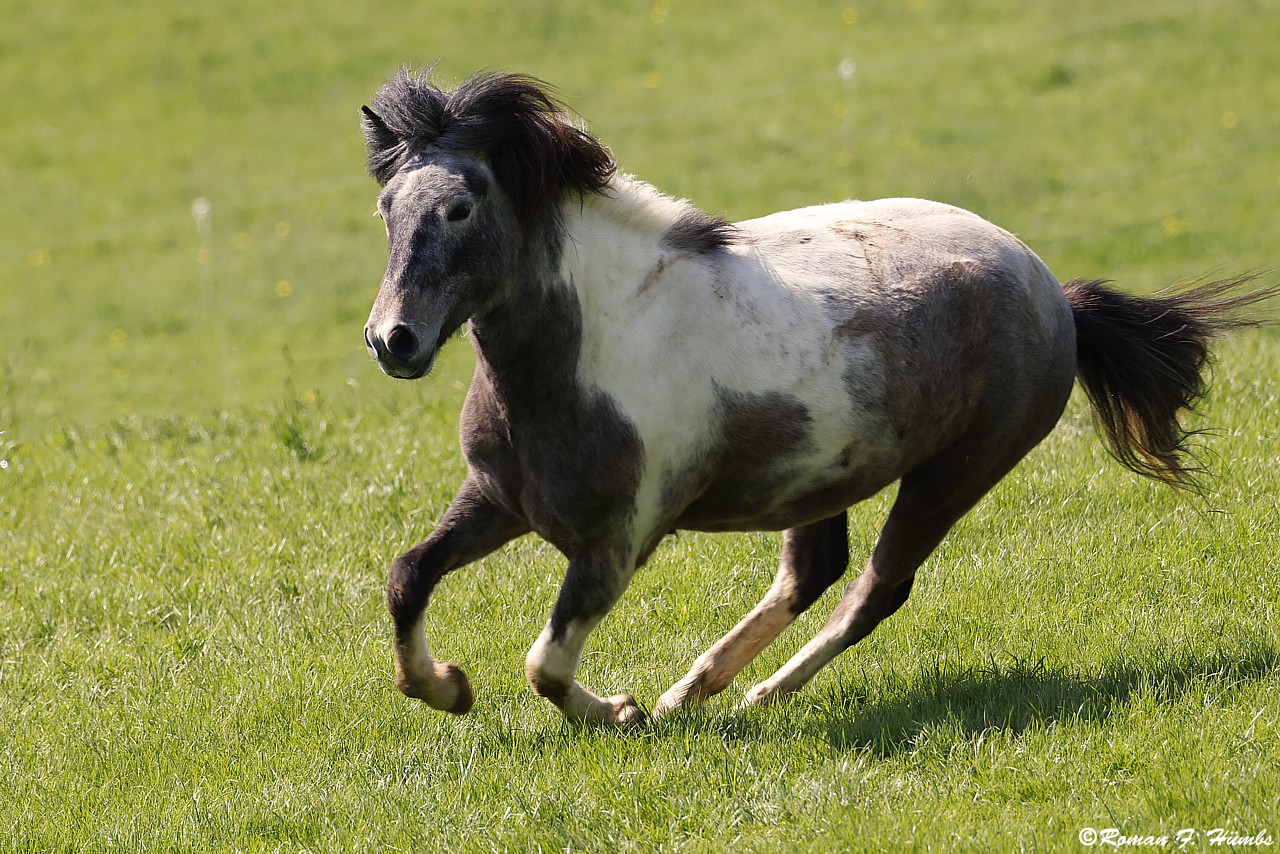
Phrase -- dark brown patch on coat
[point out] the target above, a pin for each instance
(738, 478)
(936, 346)
(557, 454)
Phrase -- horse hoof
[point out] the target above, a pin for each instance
(447, 689)
(459, 687)
(760, 695)
(626, 711)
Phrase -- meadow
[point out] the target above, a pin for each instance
(203, 476)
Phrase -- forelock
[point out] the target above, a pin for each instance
(536, 152)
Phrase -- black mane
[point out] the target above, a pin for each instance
(536, 153)
(699, 232)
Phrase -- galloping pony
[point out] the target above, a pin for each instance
(643, 367)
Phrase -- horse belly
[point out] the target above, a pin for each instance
(783, 459)
(775, 503)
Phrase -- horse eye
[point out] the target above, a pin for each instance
(458, 211)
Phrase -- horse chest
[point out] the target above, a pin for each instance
(571, 468)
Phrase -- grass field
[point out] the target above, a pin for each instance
(202, 476)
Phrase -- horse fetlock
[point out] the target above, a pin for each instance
(548, 687)
(685, 694)
(444, 687)
(580, 705)
(670, 702)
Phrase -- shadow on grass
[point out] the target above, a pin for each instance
(890, 718)
(1018, 696)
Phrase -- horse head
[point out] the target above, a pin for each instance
(445, 223)
(467, 175)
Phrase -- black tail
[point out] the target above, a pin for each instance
(1142, 361)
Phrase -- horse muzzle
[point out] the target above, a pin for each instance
(401, 350)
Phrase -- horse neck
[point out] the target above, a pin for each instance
(527, 344)
(572, 274)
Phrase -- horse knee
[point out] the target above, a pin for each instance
(408, 586)
(471, 528)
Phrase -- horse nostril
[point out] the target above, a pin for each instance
(402, 343)
(368, 342)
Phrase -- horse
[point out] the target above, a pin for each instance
(644, 367)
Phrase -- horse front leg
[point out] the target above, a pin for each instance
(592, 585)
(472, 527)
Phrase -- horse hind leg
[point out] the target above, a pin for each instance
(931, 498)
(813, 557)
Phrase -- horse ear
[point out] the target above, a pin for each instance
(377, 136)
(382, 145)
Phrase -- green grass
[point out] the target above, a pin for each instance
(203, 476)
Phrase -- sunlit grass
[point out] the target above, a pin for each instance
(196, 655)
